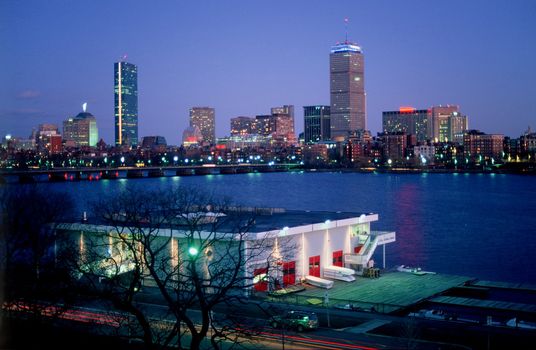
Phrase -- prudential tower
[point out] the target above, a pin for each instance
(347, 89)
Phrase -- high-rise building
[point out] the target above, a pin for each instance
(204, 119)
(458, 124)
(81, 130)
(243, 126)
(410, 121)
(284, 125)
(448, 124)
(265, 124)
(316, 121)
(126, 103)
(285, 109)
(284, 121)
(347, 89)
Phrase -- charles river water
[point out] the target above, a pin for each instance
(476, 225)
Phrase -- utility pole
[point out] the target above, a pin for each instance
(326, 305)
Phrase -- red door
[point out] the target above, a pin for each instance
(337, 258)
(260, 279)
(358, 249)
(289, 273)
(314, 266)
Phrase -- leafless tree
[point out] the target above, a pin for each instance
(186, 250)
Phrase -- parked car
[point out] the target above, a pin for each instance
(299, 320)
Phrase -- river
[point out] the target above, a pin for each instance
(478, 225)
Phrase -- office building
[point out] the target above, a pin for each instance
(47, 138)
(410, 121)
(284, 122)
(478, 146)
(283, 126)
(265, 124)
(81, 131)
(347, 89)
(285, 109)
(154, 143)
(316, 122)
(458, 125)
(126, 104)
(394, 145)
(241, 126)
(448, 124)
(204, 119)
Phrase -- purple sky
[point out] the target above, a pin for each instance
(243, 57)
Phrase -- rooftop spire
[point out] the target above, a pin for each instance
(346, 30)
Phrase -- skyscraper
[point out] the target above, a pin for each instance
(243, 126)
(283, 119)
(410, 121)
(204, 119)
(347, 89)
(126, 103)
(448, 124)
(81, 130)
(316, 123)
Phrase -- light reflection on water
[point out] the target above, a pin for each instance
(479, 225)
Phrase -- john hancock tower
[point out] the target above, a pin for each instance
(126, 103)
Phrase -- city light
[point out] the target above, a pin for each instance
(193, 251)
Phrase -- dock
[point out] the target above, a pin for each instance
(484, 304)
(392, 292)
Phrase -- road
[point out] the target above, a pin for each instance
(348, 329)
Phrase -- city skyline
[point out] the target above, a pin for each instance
(423, 64)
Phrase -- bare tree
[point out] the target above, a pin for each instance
(186, 250)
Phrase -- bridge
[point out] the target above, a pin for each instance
(92, 174)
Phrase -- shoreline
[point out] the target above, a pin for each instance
(30, 176)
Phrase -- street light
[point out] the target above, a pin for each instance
(193, 251)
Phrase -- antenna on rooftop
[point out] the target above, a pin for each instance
(346, 30)
(84, 106)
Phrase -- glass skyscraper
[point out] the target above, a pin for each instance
(126, 103)
(316, 123)
(347, 89)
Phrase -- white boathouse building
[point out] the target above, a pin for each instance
(312, 246)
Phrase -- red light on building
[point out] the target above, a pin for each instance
(220, 147)
(407, 110)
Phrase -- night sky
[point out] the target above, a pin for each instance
(243, 57)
